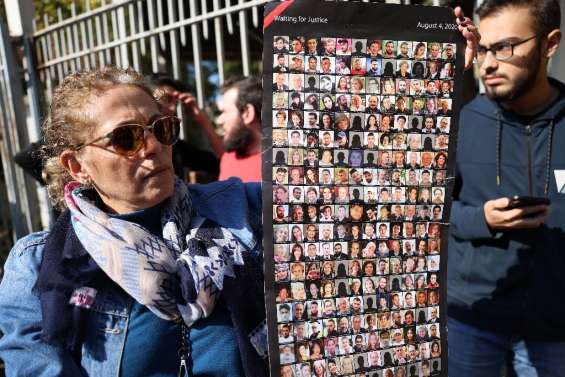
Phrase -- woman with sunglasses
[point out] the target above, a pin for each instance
(141, 274)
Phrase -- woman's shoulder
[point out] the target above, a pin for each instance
(29, 249)
(22, 265)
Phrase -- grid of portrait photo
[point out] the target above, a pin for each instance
(360, 135)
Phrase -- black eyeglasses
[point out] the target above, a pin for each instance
(501, 50)
(130, 138)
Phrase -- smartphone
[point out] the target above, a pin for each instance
(525, 201)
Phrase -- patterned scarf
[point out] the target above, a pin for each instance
(194, 252)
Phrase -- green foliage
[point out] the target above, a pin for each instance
(49, 9)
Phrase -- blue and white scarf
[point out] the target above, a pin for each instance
(194, 252)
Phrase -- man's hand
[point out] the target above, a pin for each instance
(191, 105)
(498, 217)
(470, 33)
(201, 119)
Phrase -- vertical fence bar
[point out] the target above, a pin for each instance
(174, 41)
(100, 40)
(91, 34)
(134, 49)
(229, 18)
(115, 36)
(75, 35)
(57, 53)
(121, 28)
(219, 36)
(255, 16)
(203, 11)
(63, 41)
(161, 22)
(152, 39)
(106, 36)
(244, 37)
(197, 55)
(141, 26)
(85, 42)
(182, 30)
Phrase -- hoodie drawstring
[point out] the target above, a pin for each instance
(499, 146)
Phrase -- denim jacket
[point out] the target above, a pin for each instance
(230, 203)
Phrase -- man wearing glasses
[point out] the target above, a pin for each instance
(504, 263)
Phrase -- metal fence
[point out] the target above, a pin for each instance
(148, 35)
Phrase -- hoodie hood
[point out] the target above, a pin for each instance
(489, 109)
(546, 118)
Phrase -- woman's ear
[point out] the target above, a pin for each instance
(73, 166)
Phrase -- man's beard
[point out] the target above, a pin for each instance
(519, 87)
(239, 141)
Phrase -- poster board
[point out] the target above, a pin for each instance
(360, 115)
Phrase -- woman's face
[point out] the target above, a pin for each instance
(297, 252)
(125, 184)
(295, 120)
(421, 50)
(326, 120)
(420, 281)
(342, 83)
(328, 102)
(422, 246)
(313, 290)
(355, 267)
(356, 84)
(297, 233)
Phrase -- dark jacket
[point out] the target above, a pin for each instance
(509, 282)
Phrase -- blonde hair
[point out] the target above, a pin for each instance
(67, 123)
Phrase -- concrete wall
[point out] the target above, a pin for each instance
(557, 67)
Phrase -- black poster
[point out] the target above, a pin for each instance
(360, 116)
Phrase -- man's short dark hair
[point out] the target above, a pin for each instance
(249, 91)
(164, 79)
(546, 13)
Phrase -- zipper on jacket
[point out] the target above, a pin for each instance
(530, 182)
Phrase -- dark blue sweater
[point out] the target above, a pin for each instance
(510, 282)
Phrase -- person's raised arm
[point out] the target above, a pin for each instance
(470, 33)
(200, 117)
